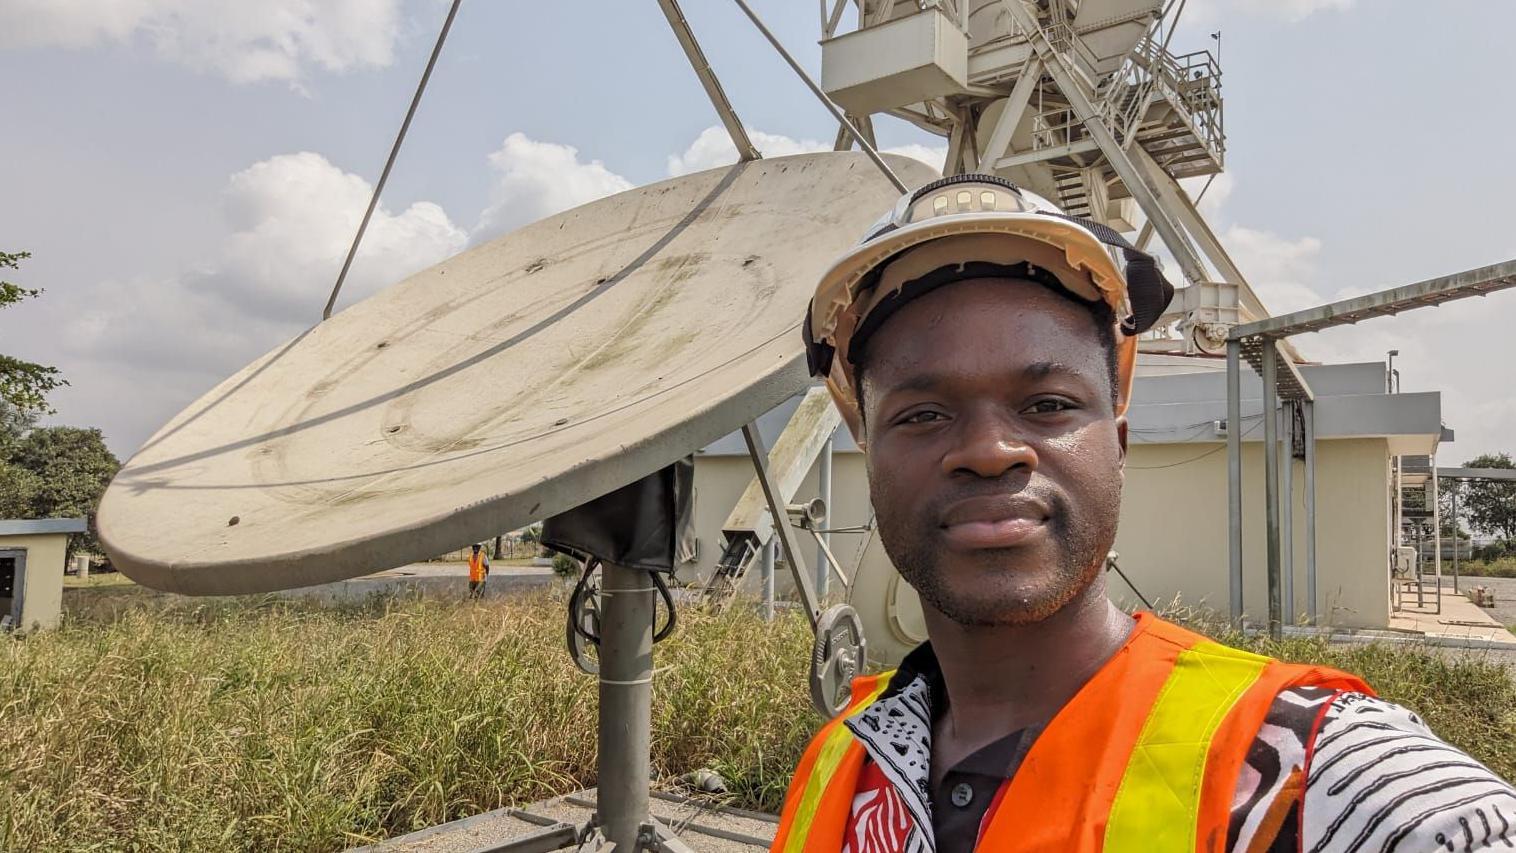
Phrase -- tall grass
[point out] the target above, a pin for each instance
(276, 725)
(262, 724)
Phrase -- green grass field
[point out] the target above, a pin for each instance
(256, 724)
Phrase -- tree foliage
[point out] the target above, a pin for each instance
(1488, 507)
(23, 384)
(70, 468)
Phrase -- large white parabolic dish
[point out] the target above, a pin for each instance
(511, 382)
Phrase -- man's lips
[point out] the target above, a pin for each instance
(1001, 521)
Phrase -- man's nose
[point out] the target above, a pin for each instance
(988, 447)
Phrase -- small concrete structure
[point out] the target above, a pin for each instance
(32, 557)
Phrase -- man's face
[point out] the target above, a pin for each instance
(994, 453)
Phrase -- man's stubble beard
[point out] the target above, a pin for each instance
(1078, 553)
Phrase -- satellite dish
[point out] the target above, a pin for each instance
(509, 383)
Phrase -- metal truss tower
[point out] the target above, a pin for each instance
(1080, 101)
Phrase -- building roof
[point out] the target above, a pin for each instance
(37, 526)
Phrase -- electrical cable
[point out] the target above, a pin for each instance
(576, 602)
(1110, 563)
(578, 598)
(1212, 452)
(668, 600)
(326, 313)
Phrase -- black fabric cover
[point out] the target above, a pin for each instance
(647, 525)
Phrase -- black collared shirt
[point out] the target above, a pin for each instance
(963, 797)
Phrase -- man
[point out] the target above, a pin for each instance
(981, 347)
(478, 572)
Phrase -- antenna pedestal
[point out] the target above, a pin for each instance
(626, 704)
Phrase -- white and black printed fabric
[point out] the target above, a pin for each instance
(1266, 801)
(896, 732)
(1381, 781)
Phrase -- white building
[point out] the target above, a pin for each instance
(1173, 537)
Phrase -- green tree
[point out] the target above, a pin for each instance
(23, 384)
(18, 491)
(1488, 506)
(14, 424)
(72, 467)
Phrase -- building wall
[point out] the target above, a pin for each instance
(1172, 537)
(45, 555)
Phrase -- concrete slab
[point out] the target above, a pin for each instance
(1460, 619)
(703, 825)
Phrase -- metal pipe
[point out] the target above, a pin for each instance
(1287, 494)
(868, 147)
(703, 70)
(767, 576)
(626, 703)
(1435, 497)
(1270, 357)
(824, 565)
(1310, 511)
(1234, 473)
(1457, 541)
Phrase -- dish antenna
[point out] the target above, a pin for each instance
(580, 354)
(536, 373)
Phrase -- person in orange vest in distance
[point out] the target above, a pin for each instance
(478, 572)
(981, 346)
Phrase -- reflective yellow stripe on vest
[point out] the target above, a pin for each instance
(833, 748)
(1158, 803)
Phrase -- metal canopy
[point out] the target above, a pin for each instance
(1507, 474)
(1433, 291)
(1291, 384)
(1259, 343)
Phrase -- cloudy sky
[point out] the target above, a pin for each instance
(188, 173)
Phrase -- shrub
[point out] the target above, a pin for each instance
(565, 565)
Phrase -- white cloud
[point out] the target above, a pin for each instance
(245, 42)
(1281, 270)
(932, 155)
(714, 148)
(1213, 192)
(537, 179)
(291, 219)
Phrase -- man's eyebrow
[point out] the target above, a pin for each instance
(930, 380)
(1044, 369)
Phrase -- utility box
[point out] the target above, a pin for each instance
(32, 557)
(901, 62)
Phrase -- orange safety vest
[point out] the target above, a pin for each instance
(476, 567)
(1145, 757)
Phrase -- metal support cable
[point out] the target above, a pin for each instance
(384, 176)
(836, 111)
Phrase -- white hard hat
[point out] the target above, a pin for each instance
(974, 226)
